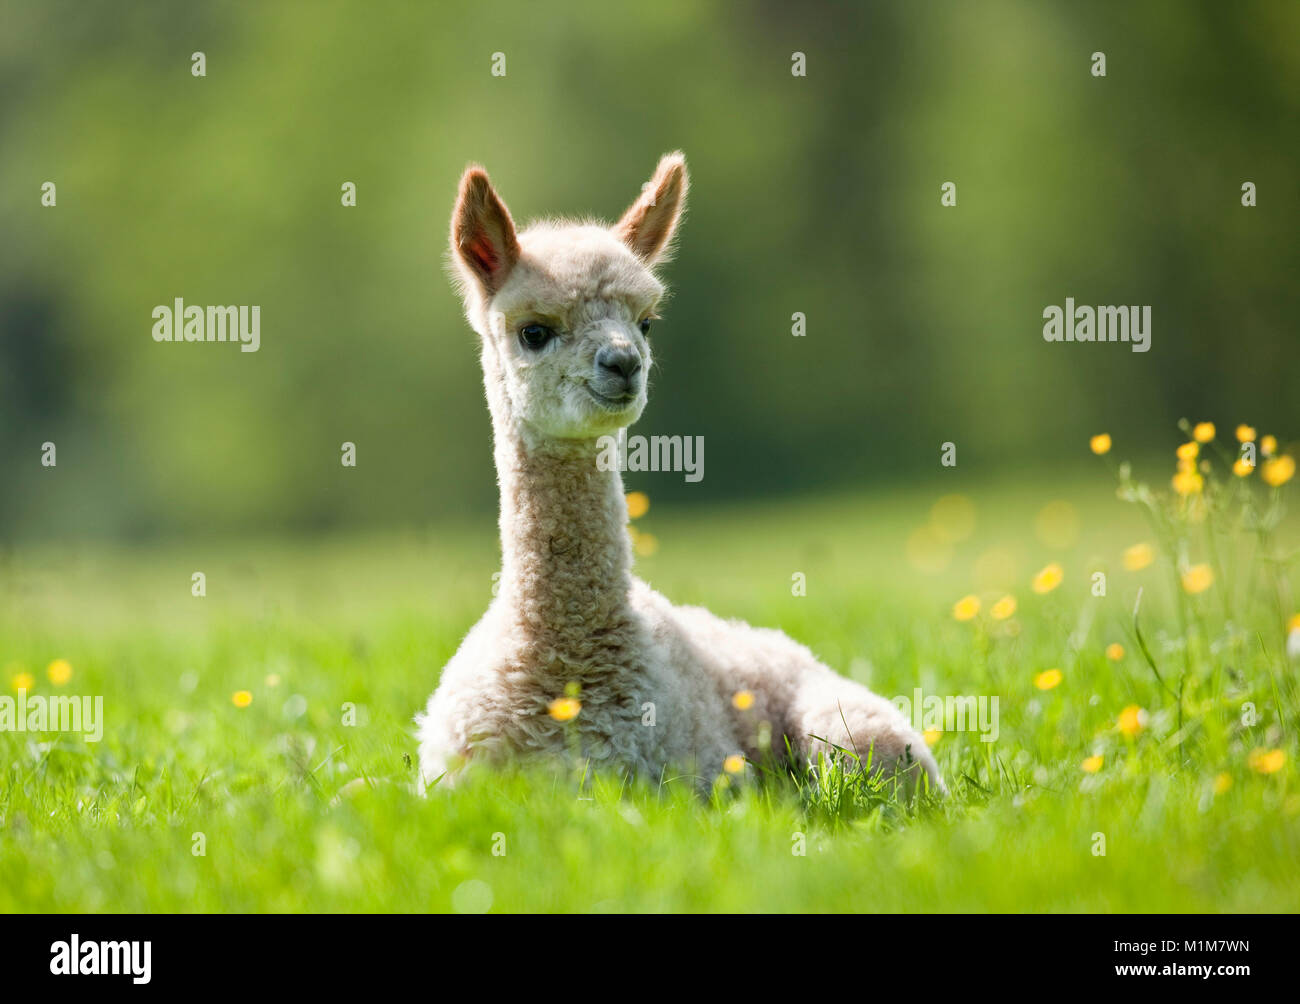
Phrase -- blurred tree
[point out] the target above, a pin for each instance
(817, 194)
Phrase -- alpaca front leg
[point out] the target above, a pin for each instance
(847, 715)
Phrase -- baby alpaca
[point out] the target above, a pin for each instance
(563, 311)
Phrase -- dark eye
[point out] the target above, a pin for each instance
(645, 326)
(534, 336)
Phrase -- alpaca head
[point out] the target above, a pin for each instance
(564, 308)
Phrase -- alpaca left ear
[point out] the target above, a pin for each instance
(650, 222)
(482, 233)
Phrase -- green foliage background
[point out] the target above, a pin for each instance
(818, 195)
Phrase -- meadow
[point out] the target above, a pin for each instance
(257, 752)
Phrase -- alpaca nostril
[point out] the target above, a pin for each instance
(619, 362)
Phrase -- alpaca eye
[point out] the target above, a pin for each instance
(645, 326)
(534, 336)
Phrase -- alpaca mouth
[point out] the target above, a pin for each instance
(621, 403)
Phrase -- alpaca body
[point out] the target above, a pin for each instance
(493, 700)
(563, 312)
(685, 662)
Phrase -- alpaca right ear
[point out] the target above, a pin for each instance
(482, 232)
(649, 223)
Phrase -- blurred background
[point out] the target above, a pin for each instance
(816, 194)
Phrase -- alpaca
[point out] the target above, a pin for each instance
(563, 311)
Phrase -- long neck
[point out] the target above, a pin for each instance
(565, 549)
(563, 535)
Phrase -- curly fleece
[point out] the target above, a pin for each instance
(569, 610)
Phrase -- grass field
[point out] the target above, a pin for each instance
(1191, 788)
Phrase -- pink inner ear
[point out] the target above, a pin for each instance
(484, 254)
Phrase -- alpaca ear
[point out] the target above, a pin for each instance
(482, 232)
(649, 223)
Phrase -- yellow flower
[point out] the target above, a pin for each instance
(638, 504)
(1189, 450)
(952, 518)
(1268, 445)
(743, 700)
(1203, 432)
(241, 698)
(1198, 578)
(1048, 679)
(1242, 468)
(1057, 525)
(59, 672)
(646, 544)
(966, 608)
(23, 681)
(564, 709)
(1293, 624)
(1222, 782)
(1003, 608)
(1263, 761)
(1188, 483)
(931, 736)
(1139, 556)
(1100, 444)
(1114, 651)
(928, 550)
(1279, 470)
(734, 764)
(1048, 579)
(1132, 720)
(1092, 764)
(1245, 434)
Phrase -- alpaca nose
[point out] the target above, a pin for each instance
(618, 362)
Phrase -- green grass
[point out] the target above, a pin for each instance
(308, 627)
